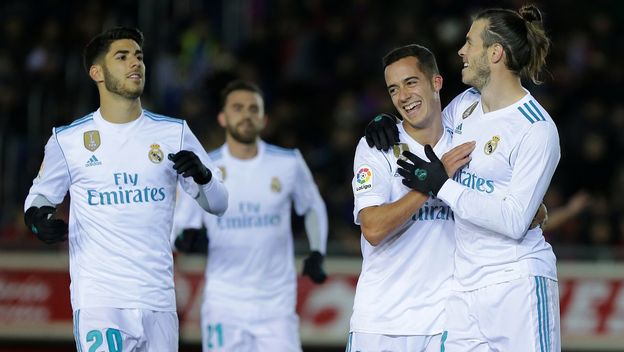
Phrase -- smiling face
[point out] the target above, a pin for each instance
(476, 69)
(123, 69)
(415, 95)
(243, 116)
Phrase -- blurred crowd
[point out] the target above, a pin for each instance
(319, 64)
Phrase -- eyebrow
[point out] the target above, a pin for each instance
(137, 52)
(404, 80)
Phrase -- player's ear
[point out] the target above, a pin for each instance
(96, 74)
(265, 120)
(497, 52)
(221, 119)
(437, 81)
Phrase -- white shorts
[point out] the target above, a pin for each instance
(276, 335)
(125, 330)
(520, 315)
(364, 342)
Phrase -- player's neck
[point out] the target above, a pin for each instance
(501, 92)
(241, 150)
(427, 135)
(116, 109)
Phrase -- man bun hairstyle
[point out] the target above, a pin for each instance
(522, 36)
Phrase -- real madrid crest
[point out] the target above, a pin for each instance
(155, 155)
(398, 149)
(491, 145)
(276, 185)
(91, 140)
(470, 109)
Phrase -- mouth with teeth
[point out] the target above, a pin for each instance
(412, 107)
(135, 76)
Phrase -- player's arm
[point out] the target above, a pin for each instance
(377, 216)
(309, 203)
(188, 234)
(380, 221)
(192, 162)
(48, 190)
(534, 162)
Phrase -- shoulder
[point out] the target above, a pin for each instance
(158, 118)
(467, 97)
(76, 125)
(530, 111)
(278, 151)
(277, 154)
(216, 154)
(463, 104)
(371, 156)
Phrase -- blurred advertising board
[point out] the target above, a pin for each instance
(34, 301)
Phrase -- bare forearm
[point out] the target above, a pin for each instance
(379, 222)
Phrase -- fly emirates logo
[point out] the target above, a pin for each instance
(248, 215)
(473, 181)
(127, 191)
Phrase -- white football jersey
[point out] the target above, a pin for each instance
(406, 278)
(250, 272)
(496, 195)
(122, 189)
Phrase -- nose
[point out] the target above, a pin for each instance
(403, 94)
(460, 52)
(135, 62)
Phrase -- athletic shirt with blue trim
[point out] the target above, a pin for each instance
(122, 189)
(496, 195)
(250, 273)
(406, 278)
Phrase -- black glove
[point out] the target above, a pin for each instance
(187, 164)
(313, 267)
(382, 132)
(41, 223)
(192, 241)
(422, 176)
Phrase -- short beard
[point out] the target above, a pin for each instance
(115, 86)
(482, 74)
(241, 138)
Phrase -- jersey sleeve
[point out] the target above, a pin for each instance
(534, 161)
(372, 178)
(308, 201)
(53, 180)
(187, 214)
(213, 196)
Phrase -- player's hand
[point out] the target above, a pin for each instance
(540, 217)
(457, 157)
(382, 132)
(192, 241)
(422, 176)
(46, 228)
(187, 164)
(313, 267)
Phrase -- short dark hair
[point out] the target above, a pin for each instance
(238, 84)
(100, 44)
(426, 60)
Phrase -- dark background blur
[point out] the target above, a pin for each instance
(319, 64)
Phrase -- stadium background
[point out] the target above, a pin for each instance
(318, 62)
